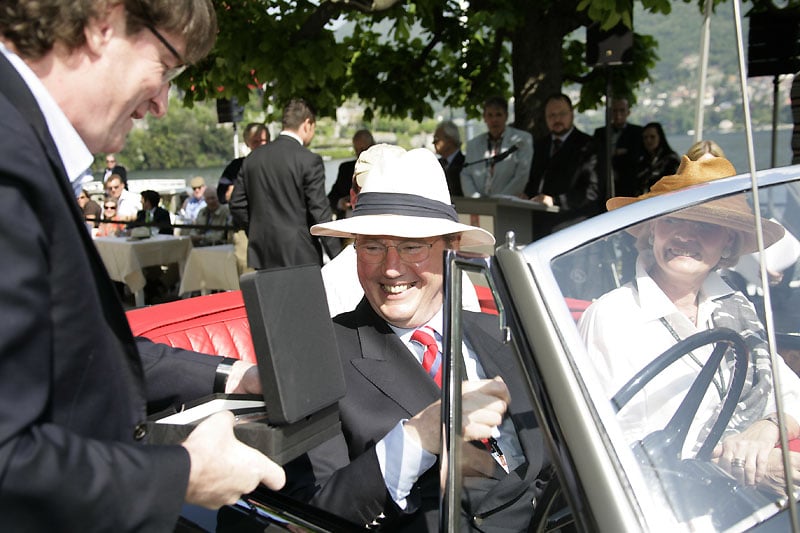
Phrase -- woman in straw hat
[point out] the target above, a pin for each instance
(676, 293)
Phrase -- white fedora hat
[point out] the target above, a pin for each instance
(404, 195)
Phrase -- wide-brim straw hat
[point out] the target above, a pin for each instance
(731, 212)
(403, 195)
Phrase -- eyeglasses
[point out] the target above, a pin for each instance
(170, 73)
(197, 188)
(374, 252)
(110, 207)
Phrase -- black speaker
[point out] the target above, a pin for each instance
(229, 111)
(609, 47)
(772, 44)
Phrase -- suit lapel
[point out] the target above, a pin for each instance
(387, 363)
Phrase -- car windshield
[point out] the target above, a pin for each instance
(666, 335)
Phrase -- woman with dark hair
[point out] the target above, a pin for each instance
(657, 160)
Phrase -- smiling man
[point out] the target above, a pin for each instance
(384, 467)
(74, 385)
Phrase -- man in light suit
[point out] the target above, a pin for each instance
(384, 468)
(498, 162)
(280, 193)
(74, 385)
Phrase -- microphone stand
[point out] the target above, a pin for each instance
(494, 158)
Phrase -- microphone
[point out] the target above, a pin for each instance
(499, 157)
(495, 158)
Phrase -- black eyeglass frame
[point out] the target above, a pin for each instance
(173, 72)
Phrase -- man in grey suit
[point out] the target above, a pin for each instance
(280, 193)
(74, 384)
(498, 162)
(384, 468)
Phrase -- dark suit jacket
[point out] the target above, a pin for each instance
(341, 188)
(73, 383)
(625, 165)
(453, 174)
(569, 176)
(160, 219)
(279, 195)
(385, 384)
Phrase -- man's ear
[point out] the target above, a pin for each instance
(100, 30)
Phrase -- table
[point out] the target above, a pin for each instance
(124, 258)
(210, 268)
(499, 214)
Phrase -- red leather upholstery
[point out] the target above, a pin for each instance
(213, 324)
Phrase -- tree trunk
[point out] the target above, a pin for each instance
(537, 60)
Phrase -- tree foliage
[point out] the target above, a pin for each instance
(399, 57)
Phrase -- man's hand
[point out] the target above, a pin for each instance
(545, 199)
(222, 468)
(483, 404)
(243, 379)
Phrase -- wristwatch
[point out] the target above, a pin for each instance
(223, 373)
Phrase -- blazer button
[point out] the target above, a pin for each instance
(140, 431)
(477, 520)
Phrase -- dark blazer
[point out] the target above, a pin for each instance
(341, 188)
(73, 394)
(385, 384)
(228, 178)
(569, 176)
(453, 174)
(625, 164)
(279, 194)
(161, 220)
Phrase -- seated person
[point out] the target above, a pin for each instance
(677, 292)
(109, 227)
(215, 219)
(92, 212)
(153, 215)
(384, 467)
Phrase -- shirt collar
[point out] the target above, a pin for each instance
(293, 135)
(655, 304)
(564, 136)
(74, 154)
(436, 323)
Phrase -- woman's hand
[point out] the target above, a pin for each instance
(746, 455)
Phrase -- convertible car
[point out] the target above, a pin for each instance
(602, 479)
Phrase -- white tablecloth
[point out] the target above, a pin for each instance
(210, 268)
(124, 258)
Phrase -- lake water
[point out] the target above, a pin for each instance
(734, 145)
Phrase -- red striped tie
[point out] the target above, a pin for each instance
(431, 359)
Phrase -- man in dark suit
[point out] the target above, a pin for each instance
(152, 214)
(447, 143)
(563, 172)
(74, 385)
(339, 195)
(384, 468)
(280, 193)
(626, 149)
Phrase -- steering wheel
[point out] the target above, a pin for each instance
(665, 445)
